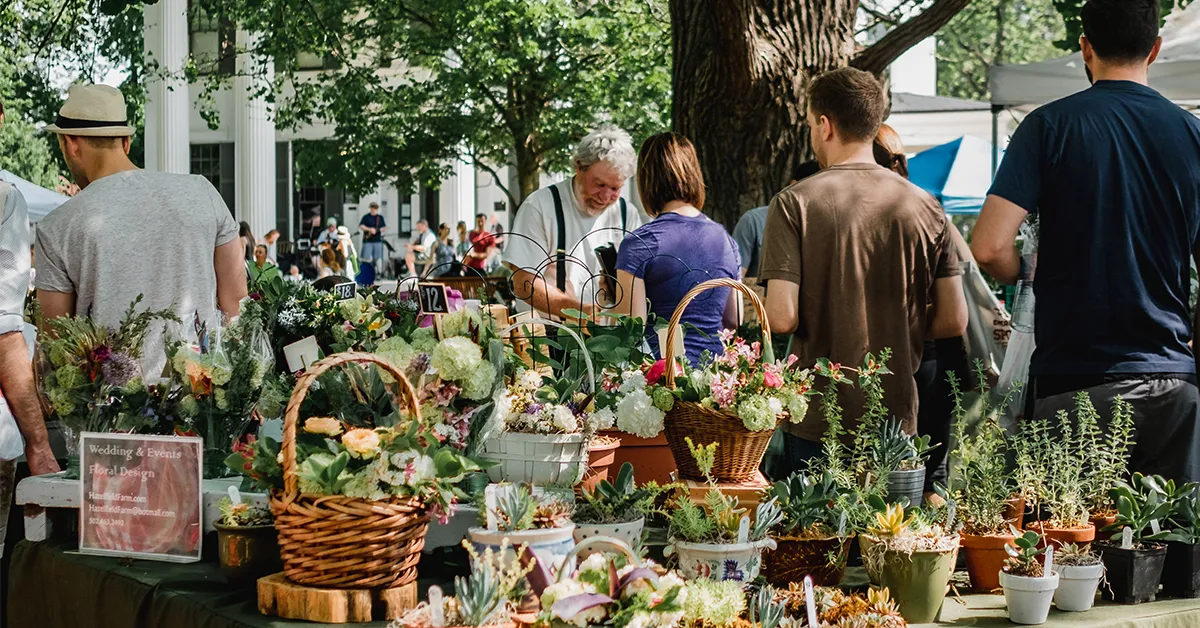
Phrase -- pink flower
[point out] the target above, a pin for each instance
(726, 335)
(792, 359)
(771, 377)
(656, 372)
(724, 389)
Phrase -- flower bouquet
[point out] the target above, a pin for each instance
(222, 376)
(735, 399)
(91, 376)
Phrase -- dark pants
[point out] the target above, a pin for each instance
(935, 408)
(1165, 411)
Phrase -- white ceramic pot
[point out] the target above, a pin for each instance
(1077, 587)
(1028, 599)
(730, 561)
(630, 533)
(559, 459)
(550, 546)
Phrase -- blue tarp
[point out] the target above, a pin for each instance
(958, 174)
(40, 200)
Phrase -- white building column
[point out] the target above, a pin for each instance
(254, 140)
(464, 194)
(167, 102)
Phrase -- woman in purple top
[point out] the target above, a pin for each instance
(665, 258)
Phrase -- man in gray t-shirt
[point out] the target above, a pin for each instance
(748, 233)
(128, 231)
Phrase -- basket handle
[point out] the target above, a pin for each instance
(587, 356)
(599, 542)
(405, 394)
(673, 327)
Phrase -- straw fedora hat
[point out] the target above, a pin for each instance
(92, 111)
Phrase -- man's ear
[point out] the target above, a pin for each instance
(1154, 51)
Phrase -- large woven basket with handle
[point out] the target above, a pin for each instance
(739, 451)
(334, 541)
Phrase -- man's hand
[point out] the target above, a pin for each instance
(41, 459)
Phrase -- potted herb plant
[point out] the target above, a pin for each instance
(901, 457)
(1079, 573)
(541, 524)
(613, 509)
(1028, 590)
(1105, 455)
(1181, 572)
(809, 538)
(711, 540)
(247, 545)
(981, 487)
(914, 559)
(1135, 569)
(1051, 458)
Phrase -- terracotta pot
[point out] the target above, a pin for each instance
(651, 457)
(1061, 536)
(1101, 522)
(1014, 512)
(248, 553)
(796, 558)
(601, 454)
(985, 558)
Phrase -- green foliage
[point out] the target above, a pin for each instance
(992, 33)
(614, 502)
(765, 612)
(1070, 13)
(1105, 454)
(718, 520)
(806, 501)
(1072, 555)
(980, 482)
(1140, 502)
(1023, 559)
(1185, 514)
(325, 474)
(713, 603)
(1051, 459)
(480, 597)
(895, 450)
(243, 514)
(515, 509)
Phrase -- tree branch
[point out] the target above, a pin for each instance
(495, 177)
(877, 57)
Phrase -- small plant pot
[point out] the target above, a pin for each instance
(550, 546)
(630, 533)
(1077, 586)
(602, 452)
(1014, 512)
(1102, 521)
(909, 483)
(1133, 574)
(740, 562)
(918, 582)
(651, 457)
(1057, 537)
(985, 558)
(1028, 599)
(795, 558)
(1181, 571)
(247, 553)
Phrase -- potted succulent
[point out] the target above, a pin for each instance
(1028, 590)
(901, 457)
(713, 603)
(716, 540)
(520, 519)
(613, 509)
(1079, 574)
(1050, 458)
(914, 560)
(1134, 569)
(247, 545)
(1105, 456)
(485, 597)
(1181, 572)
(809, 538)
(981, 487)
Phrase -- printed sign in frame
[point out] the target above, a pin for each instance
(141, 496)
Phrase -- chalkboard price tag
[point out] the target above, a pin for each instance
(434, 299)
(345, 291)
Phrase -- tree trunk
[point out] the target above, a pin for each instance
(741, 68)
(529, 170)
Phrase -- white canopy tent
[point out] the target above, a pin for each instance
(40, 200)
(1176, 73)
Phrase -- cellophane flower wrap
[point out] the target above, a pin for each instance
(757, 388)
(380, 463)
(92, 377)
(601, 593)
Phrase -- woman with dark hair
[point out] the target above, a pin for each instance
(665, 258)
(247, 237)
(940, 357)
(445, 264)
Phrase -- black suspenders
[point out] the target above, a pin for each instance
(560, 254)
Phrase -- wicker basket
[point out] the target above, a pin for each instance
(340, 542)
(739, 451)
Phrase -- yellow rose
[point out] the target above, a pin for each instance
(361, 443)
(324, 425)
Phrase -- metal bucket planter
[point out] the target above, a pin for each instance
(541, 459)
(906, 483)
(740, 562)
(248, 553)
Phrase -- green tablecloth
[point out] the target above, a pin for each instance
(51, 587)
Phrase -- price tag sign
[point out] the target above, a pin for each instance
(140, 496)
(1048, 565)
(809, 602)
(302, 354)
(345, 291)
(433, 298)
(842, 525)
(436, 607)
(950, 512)
(1126, 538)
(1155, 528)
(744, 530)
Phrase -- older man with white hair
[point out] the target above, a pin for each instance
(552, 246)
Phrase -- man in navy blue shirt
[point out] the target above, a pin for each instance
(1113, 175)
(372, 226)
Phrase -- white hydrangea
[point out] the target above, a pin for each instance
(564, 419)
(595, 562)
(604, 419)
(530, 380)
(775, 405)
(631, 381)
(637, 415)
(443, 431)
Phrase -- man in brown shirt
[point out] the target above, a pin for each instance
(857, 258)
